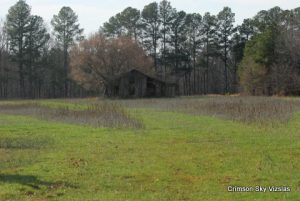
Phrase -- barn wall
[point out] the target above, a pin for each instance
(124, 87)
(140, 85)
(135, 84)
(170, 90)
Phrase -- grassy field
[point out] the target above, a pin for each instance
(155, 149)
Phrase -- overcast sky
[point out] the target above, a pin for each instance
(93, 13)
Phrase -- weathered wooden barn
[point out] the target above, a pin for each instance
(136, 84)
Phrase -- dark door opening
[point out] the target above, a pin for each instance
(131, 86)
(151, 89)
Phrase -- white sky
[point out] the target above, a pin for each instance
(93, 13)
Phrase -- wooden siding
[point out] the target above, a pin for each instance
(136, 84)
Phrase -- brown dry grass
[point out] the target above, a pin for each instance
(113, 113)
(238, 108)
(102, 114)
(245, 109)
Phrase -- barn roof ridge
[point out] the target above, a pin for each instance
(145, 74)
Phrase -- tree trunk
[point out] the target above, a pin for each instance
(225, 70)
(66, 81)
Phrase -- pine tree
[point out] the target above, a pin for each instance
(178, 37)
(151, 25)
(208, 33)
(225, 32)
(35, 43)
(67, 31)
(166, 16)
(194, 24)
(17, 26)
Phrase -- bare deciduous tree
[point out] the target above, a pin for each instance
(99, 59)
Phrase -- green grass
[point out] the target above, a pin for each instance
(176, 156)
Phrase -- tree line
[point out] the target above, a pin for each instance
(202, 53)
(33, 62)
(210, 54)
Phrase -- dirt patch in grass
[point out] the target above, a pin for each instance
(102, 114)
